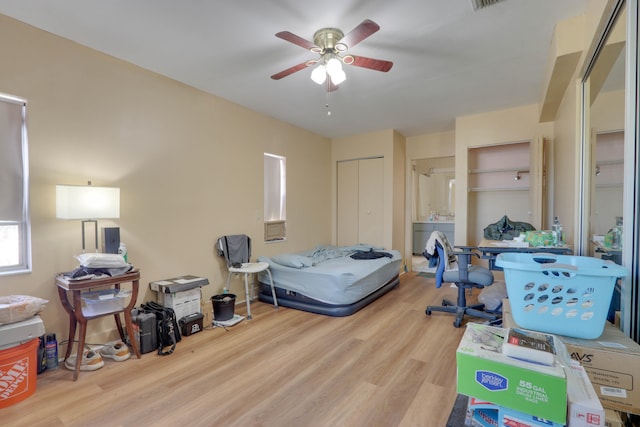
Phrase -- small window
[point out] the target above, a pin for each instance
(275, 197)
(15, 240)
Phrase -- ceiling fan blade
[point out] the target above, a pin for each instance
(291, 70)
(292, 38)
(361, 32)
(372, 64)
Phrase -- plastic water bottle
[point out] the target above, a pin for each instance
(51, 351)
(122, 250)
(42, 355)
(616, 237)
(558, 232)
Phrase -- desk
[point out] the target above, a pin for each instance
(73, 307)
(608, 253)
(491, 248)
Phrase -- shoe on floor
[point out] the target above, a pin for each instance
(116, 350)
(90, 361)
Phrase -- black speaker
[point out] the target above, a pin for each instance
(110, 240)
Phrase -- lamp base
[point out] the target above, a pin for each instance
(95, 228)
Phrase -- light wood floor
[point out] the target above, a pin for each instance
(387, 365)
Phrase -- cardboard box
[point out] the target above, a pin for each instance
(483, 417)
(178, 284)
(485, 373)
(584, 409)
(507, 318)
(183, 303)
(612, 362)
(481, 413)
(508, 417)
(612, 418)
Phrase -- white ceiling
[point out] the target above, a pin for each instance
(449, 60)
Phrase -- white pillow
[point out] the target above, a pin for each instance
(292, 260)
(97, 260)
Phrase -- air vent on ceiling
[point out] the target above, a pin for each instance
(479, 4)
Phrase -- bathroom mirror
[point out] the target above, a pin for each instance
(435, 188)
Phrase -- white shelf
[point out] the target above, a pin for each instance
(610, 185)
(479, 189)
(610, 162)
(523, 169)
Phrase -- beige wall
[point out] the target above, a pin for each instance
(493, 128)
(607, 112)
(439, 144)
(189, 166)
(399, 200)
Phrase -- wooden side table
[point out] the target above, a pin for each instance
(73, 306)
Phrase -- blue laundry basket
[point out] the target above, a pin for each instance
(560, 294)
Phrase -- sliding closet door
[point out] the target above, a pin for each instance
(360, 201)
(370, 201)
(347, 216)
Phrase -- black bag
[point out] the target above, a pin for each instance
(505, 229)
(167, 326)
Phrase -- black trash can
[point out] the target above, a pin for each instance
(223, 306)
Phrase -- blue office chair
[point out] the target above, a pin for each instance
(466, 277)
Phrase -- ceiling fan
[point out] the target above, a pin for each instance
(332, 45)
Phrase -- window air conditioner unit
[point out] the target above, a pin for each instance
(274, 230)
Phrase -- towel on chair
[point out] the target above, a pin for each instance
(430, 249)
(235, 248)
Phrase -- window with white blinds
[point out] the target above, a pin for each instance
(275, 197)
(15, 239)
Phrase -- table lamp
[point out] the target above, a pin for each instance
(87, 203)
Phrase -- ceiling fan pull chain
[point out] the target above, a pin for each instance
(327, 104)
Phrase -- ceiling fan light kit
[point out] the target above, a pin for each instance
(331, 44)
(319, 74)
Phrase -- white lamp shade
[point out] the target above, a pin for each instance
(87, 202)
(319, 74)
(338, 77)
(333, 66)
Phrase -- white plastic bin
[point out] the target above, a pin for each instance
(103, 301)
